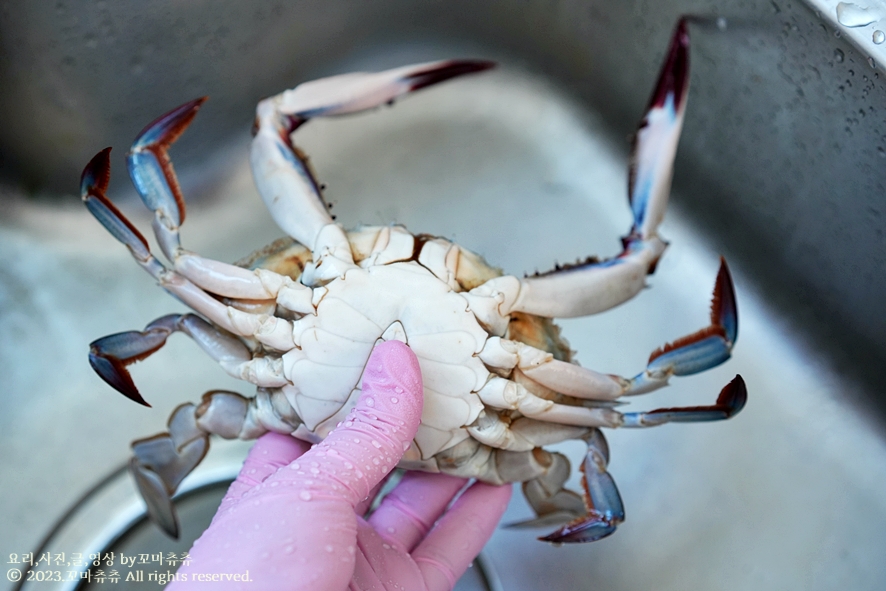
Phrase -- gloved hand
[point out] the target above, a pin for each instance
(293, 516)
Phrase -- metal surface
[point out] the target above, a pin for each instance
(109, 529)
(782, 158)
(521, 168)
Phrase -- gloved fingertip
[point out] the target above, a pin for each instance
(392, 387)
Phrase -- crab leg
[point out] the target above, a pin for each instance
(153, 175)
(604, 507)
(690, 354)
(595, 286)
(506, 394)
(543, 475)
(110, 355)
(273, 331)
(160, 463)
(282, 172)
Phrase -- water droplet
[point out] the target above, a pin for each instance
(398, 390)
(275, 483)
(839, 56)
(386, 546)
(356, 440)
(394, 399)
(295, 465)
(721, 23)
(252, 471)
(375, 461)
(376, 444)
(379, 367)
(405, 445)
(289, 549)
(304, 495)
(871, 62)
(879, 37)
(853, 15)
(370, 401)
(391, 530)
(329, 548)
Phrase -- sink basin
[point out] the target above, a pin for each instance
(526, 165)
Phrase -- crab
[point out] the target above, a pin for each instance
(300, 317)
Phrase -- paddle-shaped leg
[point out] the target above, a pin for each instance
(603, 503)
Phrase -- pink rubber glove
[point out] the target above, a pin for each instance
(292, 517)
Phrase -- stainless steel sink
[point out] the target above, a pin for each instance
(526, 165)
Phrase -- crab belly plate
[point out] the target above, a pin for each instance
(404, 301)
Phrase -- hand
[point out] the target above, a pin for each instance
(292, 519)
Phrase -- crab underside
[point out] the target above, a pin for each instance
(300, 317)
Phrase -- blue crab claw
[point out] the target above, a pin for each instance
(110, 355)
(605, 509)
(153, 176)
(93, 184)
(655, 143)
(731, 400)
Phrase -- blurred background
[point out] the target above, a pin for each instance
(780, 168)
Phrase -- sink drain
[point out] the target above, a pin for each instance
(107, 539)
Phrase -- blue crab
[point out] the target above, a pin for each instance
(299, 318)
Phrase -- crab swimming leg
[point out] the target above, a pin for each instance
(589, 288)
(160, 463)
(282, 172)
(688, 355)
(154, 177)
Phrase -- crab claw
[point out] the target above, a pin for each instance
(152, 173)
(655, 143)
(605, 509)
